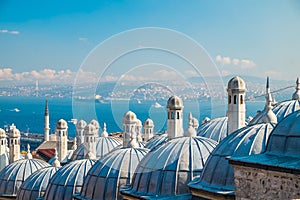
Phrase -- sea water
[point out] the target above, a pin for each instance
(27, 113)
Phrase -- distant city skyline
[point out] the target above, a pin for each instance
(51, 40)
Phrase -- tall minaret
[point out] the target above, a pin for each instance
(46, 123)
(129, 126)
(175, 109)
(236, 104)
(90, 141)
(3, 153)
(14, 145)
(81, 124)
(296, 95)
(148, 129)
(61, 139)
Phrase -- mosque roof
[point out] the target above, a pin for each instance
(168, 169)
(156, 141)
(13, 175)
(111, 173)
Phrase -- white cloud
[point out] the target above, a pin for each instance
(47, 76)
(242, 63)
(14, 32)
(83, 39)
(191, 73)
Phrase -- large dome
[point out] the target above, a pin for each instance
(13, 175)
(218, 174)
(169, 168)
(215, 129)
(156, 141)
(236, 83)
(35, 185)
(68, 180)
(104, 145)
(111, 173)
(281, 110)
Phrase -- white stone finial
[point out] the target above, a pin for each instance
(104, 133)
(56, 162)
(28, 155)
(91, 156)
(296, 95)
(133, 140)
(190, 132)
(74, 144)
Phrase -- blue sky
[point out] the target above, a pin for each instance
(243, 37)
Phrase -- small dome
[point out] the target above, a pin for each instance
(215, 129)
(281, 110)
(139, 123)
(61, 124)
(168, 169)
(129, 117)
(96, 124)
(14, 132)
(148, 123)
(236, 83)
(156, 141)
(104, 145)
(218, 174)
(111, 173)
(90, 129)
(2, 133)
(68, 180)
(175, 103)
(13, 175)
(35, 185)
(80, 124)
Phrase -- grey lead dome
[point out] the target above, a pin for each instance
(68, 180)
(218, 174)
(35, 185)
(13, 175)
(111, 173)
(169, 168)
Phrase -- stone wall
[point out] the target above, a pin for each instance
(253, 183)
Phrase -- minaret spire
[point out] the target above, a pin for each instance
(296, 95)
(46, 122)
(269, 99)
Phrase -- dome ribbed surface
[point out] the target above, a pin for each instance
(285, 138)
(218, 174)
(169, 168)
(281, 110)
(111, 173)
(36, 184)
(156, 141)
(215, 129)
(68, 180)
(13, 175)
(104, 145)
